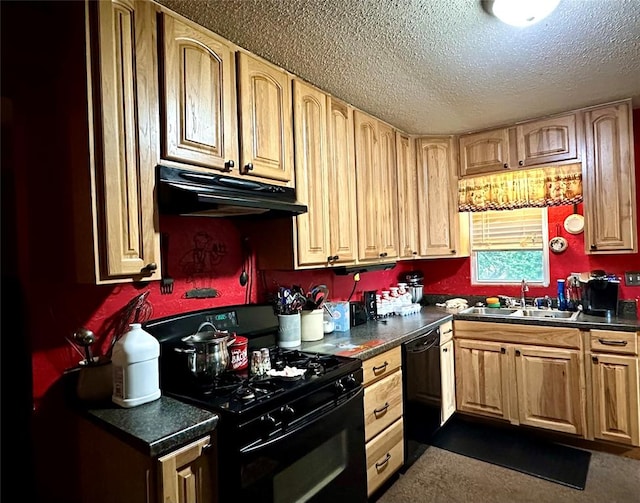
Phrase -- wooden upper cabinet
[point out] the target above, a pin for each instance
(376, 189)
(265, 120)
(408, 229)
(310, 134)
(484, 152)
(367, 179)
(199, 125)
(124, 97)
(388, 192)
(609, 180)
(342, 183)
(547, 141)
(438, 196)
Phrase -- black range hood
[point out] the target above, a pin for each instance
(194, 193)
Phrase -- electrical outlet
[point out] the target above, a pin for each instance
(632, 278)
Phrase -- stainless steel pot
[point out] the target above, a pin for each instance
(207, 351)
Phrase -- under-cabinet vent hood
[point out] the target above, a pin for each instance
(352, 269)
(194, 193)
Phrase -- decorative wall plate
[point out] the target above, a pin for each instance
(574, 223)
(558, 244)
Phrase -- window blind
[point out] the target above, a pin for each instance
(521, 229)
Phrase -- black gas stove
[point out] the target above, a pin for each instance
(280, 438)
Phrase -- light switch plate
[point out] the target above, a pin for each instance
(632, 278)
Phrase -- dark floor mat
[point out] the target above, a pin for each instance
(517, 450)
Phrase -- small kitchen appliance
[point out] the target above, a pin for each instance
(370, 304)
(282, 436)
(599, 293)
(358, 313)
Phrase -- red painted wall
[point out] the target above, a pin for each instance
(56, 309)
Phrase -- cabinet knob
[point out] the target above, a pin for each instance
(453, 252)
(229, 165)
(503, 350)
(520, 163)
(248, 167)
(383, 254)
(593, 247)
(517, 352)
(594, 359)
(505, 166)
(152, 267)
(444, 350)
(414, 253)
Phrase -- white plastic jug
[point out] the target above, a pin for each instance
(136, 377)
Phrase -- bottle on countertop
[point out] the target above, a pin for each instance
(136, 375)
(562, 302)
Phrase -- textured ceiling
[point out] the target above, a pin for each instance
(440, 66)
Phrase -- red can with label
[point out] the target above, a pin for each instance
(238, 354)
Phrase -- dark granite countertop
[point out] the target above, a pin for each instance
(375, 337)
(156, 427)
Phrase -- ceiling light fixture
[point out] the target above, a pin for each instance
(522, 12)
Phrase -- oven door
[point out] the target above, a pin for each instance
(322, 459)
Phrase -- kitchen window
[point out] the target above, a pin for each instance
(508, 246)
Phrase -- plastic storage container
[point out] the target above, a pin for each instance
(136, 377)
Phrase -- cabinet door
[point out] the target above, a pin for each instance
(124, 94)
(265, 120)
(310, 134)
(187, 475)
(198, 100)
(549, 388)
(448, 381)
(482, 386)
(367, 179)
(437, 191)
(547, 140)
(610, 189)
(408, 234)
(615, 398)
(484, 152)
(342, 183)
(387, 185)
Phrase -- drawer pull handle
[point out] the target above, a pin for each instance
(384, 461)
(607, 342)
(382, 368)
(448, 331)
(381, 410)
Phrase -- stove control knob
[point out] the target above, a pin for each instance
(268, 423)
(350, 382)
(287, 413)
(340, 386)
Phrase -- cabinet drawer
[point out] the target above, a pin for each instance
(446, 332)
(382, 365)
(609, 341)
(385, 455)
(382, 404)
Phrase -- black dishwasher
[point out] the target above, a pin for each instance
(422, 392)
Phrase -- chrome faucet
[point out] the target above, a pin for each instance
(523, 289)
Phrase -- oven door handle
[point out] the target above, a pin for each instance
(424, 342)
(326, 409)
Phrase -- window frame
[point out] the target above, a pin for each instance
(545, 257)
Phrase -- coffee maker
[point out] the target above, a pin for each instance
(599, 293)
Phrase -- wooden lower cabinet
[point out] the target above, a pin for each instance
(385, 455)
(383, 411)
(122, 473)
(520, 376)
(614, 386)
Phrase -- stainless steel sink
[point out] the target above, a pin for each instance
(529, 312)
(489, 311)
(545, 313)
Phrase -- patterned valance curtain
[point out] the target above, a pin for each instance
(532, 188)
